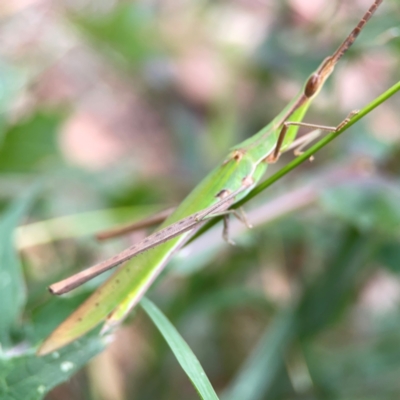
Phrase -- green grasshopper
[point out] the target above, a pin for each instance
(227, 184)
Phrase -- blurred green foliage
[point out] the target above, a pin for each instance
(306, 306)
(31, 145)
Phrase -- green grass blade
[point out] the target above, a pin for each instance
(182, 351)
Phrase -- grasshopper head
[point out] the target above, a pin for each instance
(318, 78)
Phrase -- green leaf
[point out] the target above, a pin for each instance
(12, 285)
(29, 377)
(182, 351)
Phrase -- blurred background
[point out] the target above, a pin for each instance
(117, 109)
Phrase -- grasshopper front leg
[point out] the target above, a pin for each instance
(299, 144)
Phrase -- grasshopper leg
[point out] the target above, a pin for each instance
(308, 138)
(225, 231)
(239, 214)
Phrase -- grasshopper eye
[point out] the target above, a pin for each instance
(312, 85)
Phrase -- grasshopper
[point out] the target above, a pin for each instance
(227, 184)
